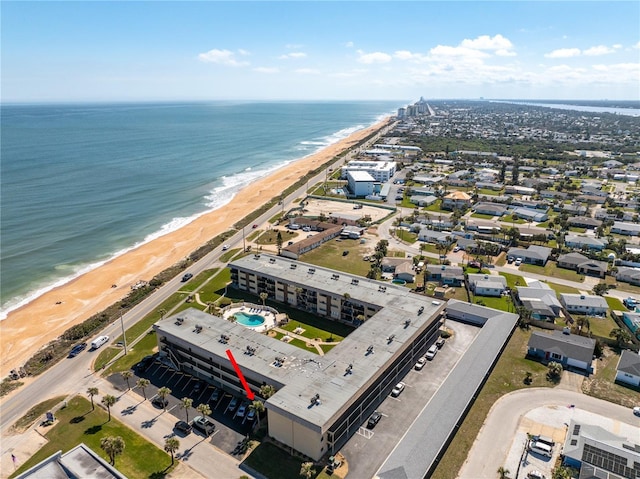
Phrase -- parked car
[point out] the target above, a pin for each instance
(510, 259)
(397, 390)
(420, 364)
(144, 364)
(440, 342)
(197, 386)
(77, 349)
(535, 475)
(630, 303)
(233, 404)
(159, 402)
(215, 395)
(183, 427)
(456, 249)
(374, 419)
(431, 352)
(518, 262)
(242, 410)
(204, 424)
(251, 415)
(187, 277)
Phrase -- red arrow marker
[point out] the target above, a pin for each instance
(249, 392)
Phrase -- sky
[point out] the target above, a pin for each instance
(329, 50)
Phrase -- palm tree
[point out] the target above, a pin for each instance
(109, 400)
(583, 323)
(210, 306)
(126, 375)
(186, 404)
(204, 409)
(258, 407)
(306, 471)
(263, 297)
(162, 312)
(528, 377)
(267, 390)
(620, 335)
(142, 383)
(503, 473)
(92, 392)
(113, 446)
(163, 392)
(171, 445)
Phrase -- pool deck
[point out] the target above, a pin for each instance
(269, 316)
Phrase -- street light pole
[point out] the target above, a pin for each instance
(124, 336)
(244, 247)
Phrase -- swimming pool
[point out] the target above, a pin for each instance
(249, 320)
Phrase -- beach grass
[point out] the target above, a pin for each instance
(77, 423)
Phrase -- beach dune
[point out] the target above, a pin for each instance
(32, 326)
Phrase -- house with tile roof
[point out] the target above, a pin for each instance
(456, 200)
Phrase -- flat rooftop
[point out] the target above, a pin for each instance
(305, 374)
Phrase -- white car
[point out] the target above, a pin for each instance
(456, 249)
(420, 364)
(397, 390)
(636, 410)
(431, 352)
(518, 262)
(225, 247)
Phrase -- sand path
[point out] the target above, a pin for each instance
(27, 329)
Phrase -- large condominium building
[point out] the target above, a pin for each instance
(321, 401)
(380, 170)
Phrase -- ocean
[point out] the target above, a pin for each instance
(84, 183)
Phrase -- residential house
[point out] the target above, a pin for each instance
(422, 191)
(583, 265)
(571, 208)
(537, 255)
(584, 304)
(560, 195)
(432, 236)
(422, 200)
(628, 369)
(594, 199)
(466, 244)
(530, 214)
(389, 264)
(584, 222)
(632, 321)
(490, 209)
(519, 190)
(405, 272)
(456, 200)
(599, 453)
(487, 285)
(629, 275)
(627, 229)
(582, 242)
(612, 163)
(570, 350)
(489, 185)
(541, 300)
(444, 274)
(296, 250)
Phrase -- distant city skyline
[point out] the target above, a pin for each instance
(182, 51)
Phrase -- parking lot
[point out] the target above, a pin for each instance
(230, 427)
(367, 450)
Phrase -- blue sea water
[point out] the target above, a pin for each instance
(82, 184)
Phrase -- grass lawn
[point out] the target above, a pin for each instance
(482, 216)
(602, 385)
(270, 236)
(626, 287)
(513, 280)
(35, 413)
(407, 236)
(561, 288)
(600, 326)
(77, 423)
(615, 304)
(552, 271)
(273, 462)
(312, 332)
(500, 303)
(488, 192)
(507, 376)
(330, 255)
(544, 224)
(436, 207)
(576, 229)
(141, 349)
(511, 219)
(298, 343)
(227, 255)
(198, 281)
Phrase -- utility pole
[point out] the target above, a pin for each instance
(244, 247)
(124, 336)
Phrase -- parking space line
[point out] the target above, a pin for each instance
(165, 372)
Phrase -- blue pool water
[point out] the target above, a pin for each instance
(250, 320)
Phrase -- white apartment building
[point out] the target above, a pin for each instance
(381, 171)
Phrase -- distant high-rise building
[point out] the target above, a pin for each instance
(402, 112)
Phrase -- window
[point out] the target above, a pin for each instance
(556, 356)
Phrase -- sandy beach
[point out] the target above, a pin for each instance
(27, 329)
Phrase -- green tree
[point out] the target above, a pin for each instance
(142, 383)
(171, 445)
(108, 400)
(503, 473)
(163, 392)
(267, 390)
(279, 241)
(554, 370)
(126, 375)
(92, 392)
(583, 323)
(600, 289)
(306, 470)
(185, 404)
(621, 336)
(113, 446)
(258, 407)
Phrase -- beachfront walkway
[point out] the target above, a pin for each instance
(314, 343)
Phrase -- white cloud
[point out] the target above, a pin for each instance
(349, 44)
(485, 42)
(505, 53)
(266, 70)
(292, 55)
(563, 53)
(448, 51)
(598, 50)
(410, 56)
(637, 45)
(307, 71)
(243, 52)
(222, 57)
(293, 46)
(617, 46)
(375, 57)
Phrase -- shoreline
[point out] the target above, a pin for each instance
(30, 327)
